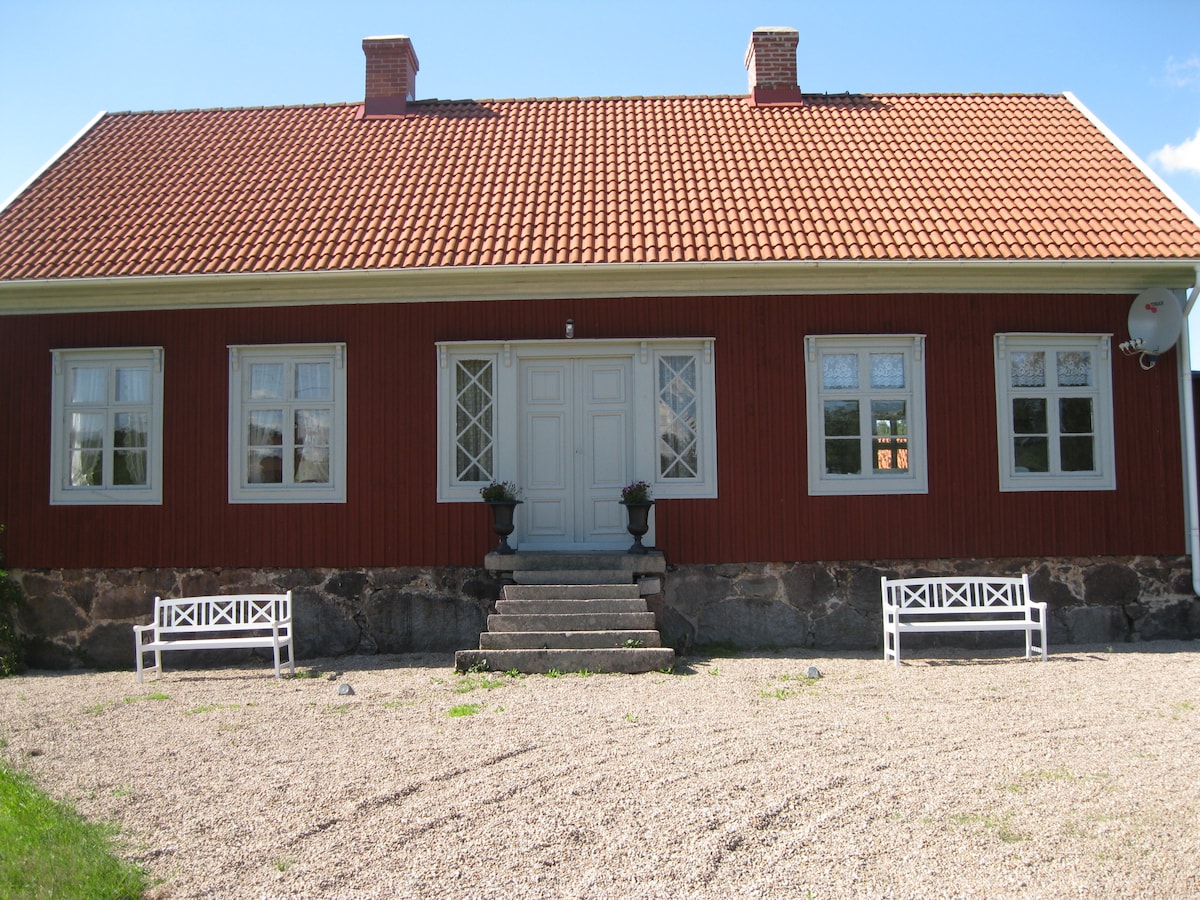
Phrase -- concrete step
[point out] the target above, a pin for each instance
(559, 607)
(567, 640)
(625, 621)
(626, 660)
(571, 591)
(573, 576)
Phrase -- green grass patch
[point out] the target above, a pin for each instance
(462, 710)
(210, 707)
(468, 683)
(49, 850)
(1001, 826)
(154, 695)
(791, 687)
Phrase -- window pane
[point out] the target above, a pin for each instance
(839, 370)
(87, 385)
(473, 420)
(265, 427)
(87, 430)
(313, 431)
(1078, 454)
(843, 458)
(312, 465)
(841, 418)
(887, 370)
(1028, 368)
(131, 430)
(1029, 415)
(86, 468)
(313, 381)
(890, 455)
(678, 417)
(1031, 454)
(264, 466)
(129, 467)
(133, 385)
(1075, 415)
(266, 381)
(1074, 368)
(889, 418)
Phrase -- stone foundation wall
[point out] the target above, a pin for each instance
(82, 618)
(837, 605)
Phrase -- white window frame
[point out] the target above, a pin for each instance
(1104, 477)
(240, 358)
(915, 480)
(64, 362)
(645, 356)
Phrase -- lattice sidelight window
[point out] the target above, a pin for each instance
(474, 419)
(678, 417)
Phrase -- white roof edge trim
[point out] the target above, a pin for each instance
(1135, 159)
(53, 159)
(599, 280)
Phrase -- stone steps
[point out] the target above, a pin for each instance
(582, 606)
(571, 613)
(568, 640)
(566, 577)
(636, 621)
(565, 660)
(576, 591)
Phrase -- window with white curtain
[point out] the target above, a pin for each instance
(287, 423)
(866, 414)
(1054, 414)
(106, 426)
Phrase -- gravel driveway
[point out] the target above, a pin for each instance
(738, 777)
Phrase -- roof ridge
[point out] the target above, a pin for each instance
(438, 101)
(208, 109)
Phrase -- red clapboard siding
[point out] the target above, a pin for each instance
(763, 512)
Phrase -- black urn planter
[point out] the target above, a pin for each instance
(502, 522)
(639, 522)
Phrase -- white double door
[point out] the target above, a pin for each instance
(576, 451)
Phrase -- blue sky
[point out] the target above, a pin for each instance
(1134, 63)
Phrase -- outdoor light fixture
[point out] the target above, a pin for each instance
(570, 328)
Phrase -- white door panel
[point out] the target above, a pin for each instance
(577, 451)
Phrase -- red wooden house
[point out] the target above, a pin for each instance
(839, 335)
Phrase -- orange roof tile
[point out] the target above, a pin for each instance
(595, 180)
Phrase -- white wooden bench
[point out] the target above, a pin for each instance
(226, 622)
(960, 603)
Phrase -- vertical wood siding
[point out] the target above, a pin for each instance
(763, 512)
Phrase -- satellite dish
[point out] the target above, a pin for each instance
(1155, 320)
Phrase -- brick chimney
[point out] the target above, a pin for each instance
(391, 75)
(771, 64)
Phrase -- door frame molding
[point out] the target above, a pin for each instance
(506, 415)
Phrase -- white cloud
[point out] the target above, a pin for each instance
(1182, 74)
(1183, 157)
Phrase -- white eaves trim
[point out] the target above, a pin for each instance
(592, 280)
(53, 159)
(1134, 158)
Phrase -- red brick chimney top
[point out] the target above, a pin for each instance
(391, 75)
(771, 65)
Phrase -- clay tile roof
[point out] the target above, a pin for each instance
(594, 180)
